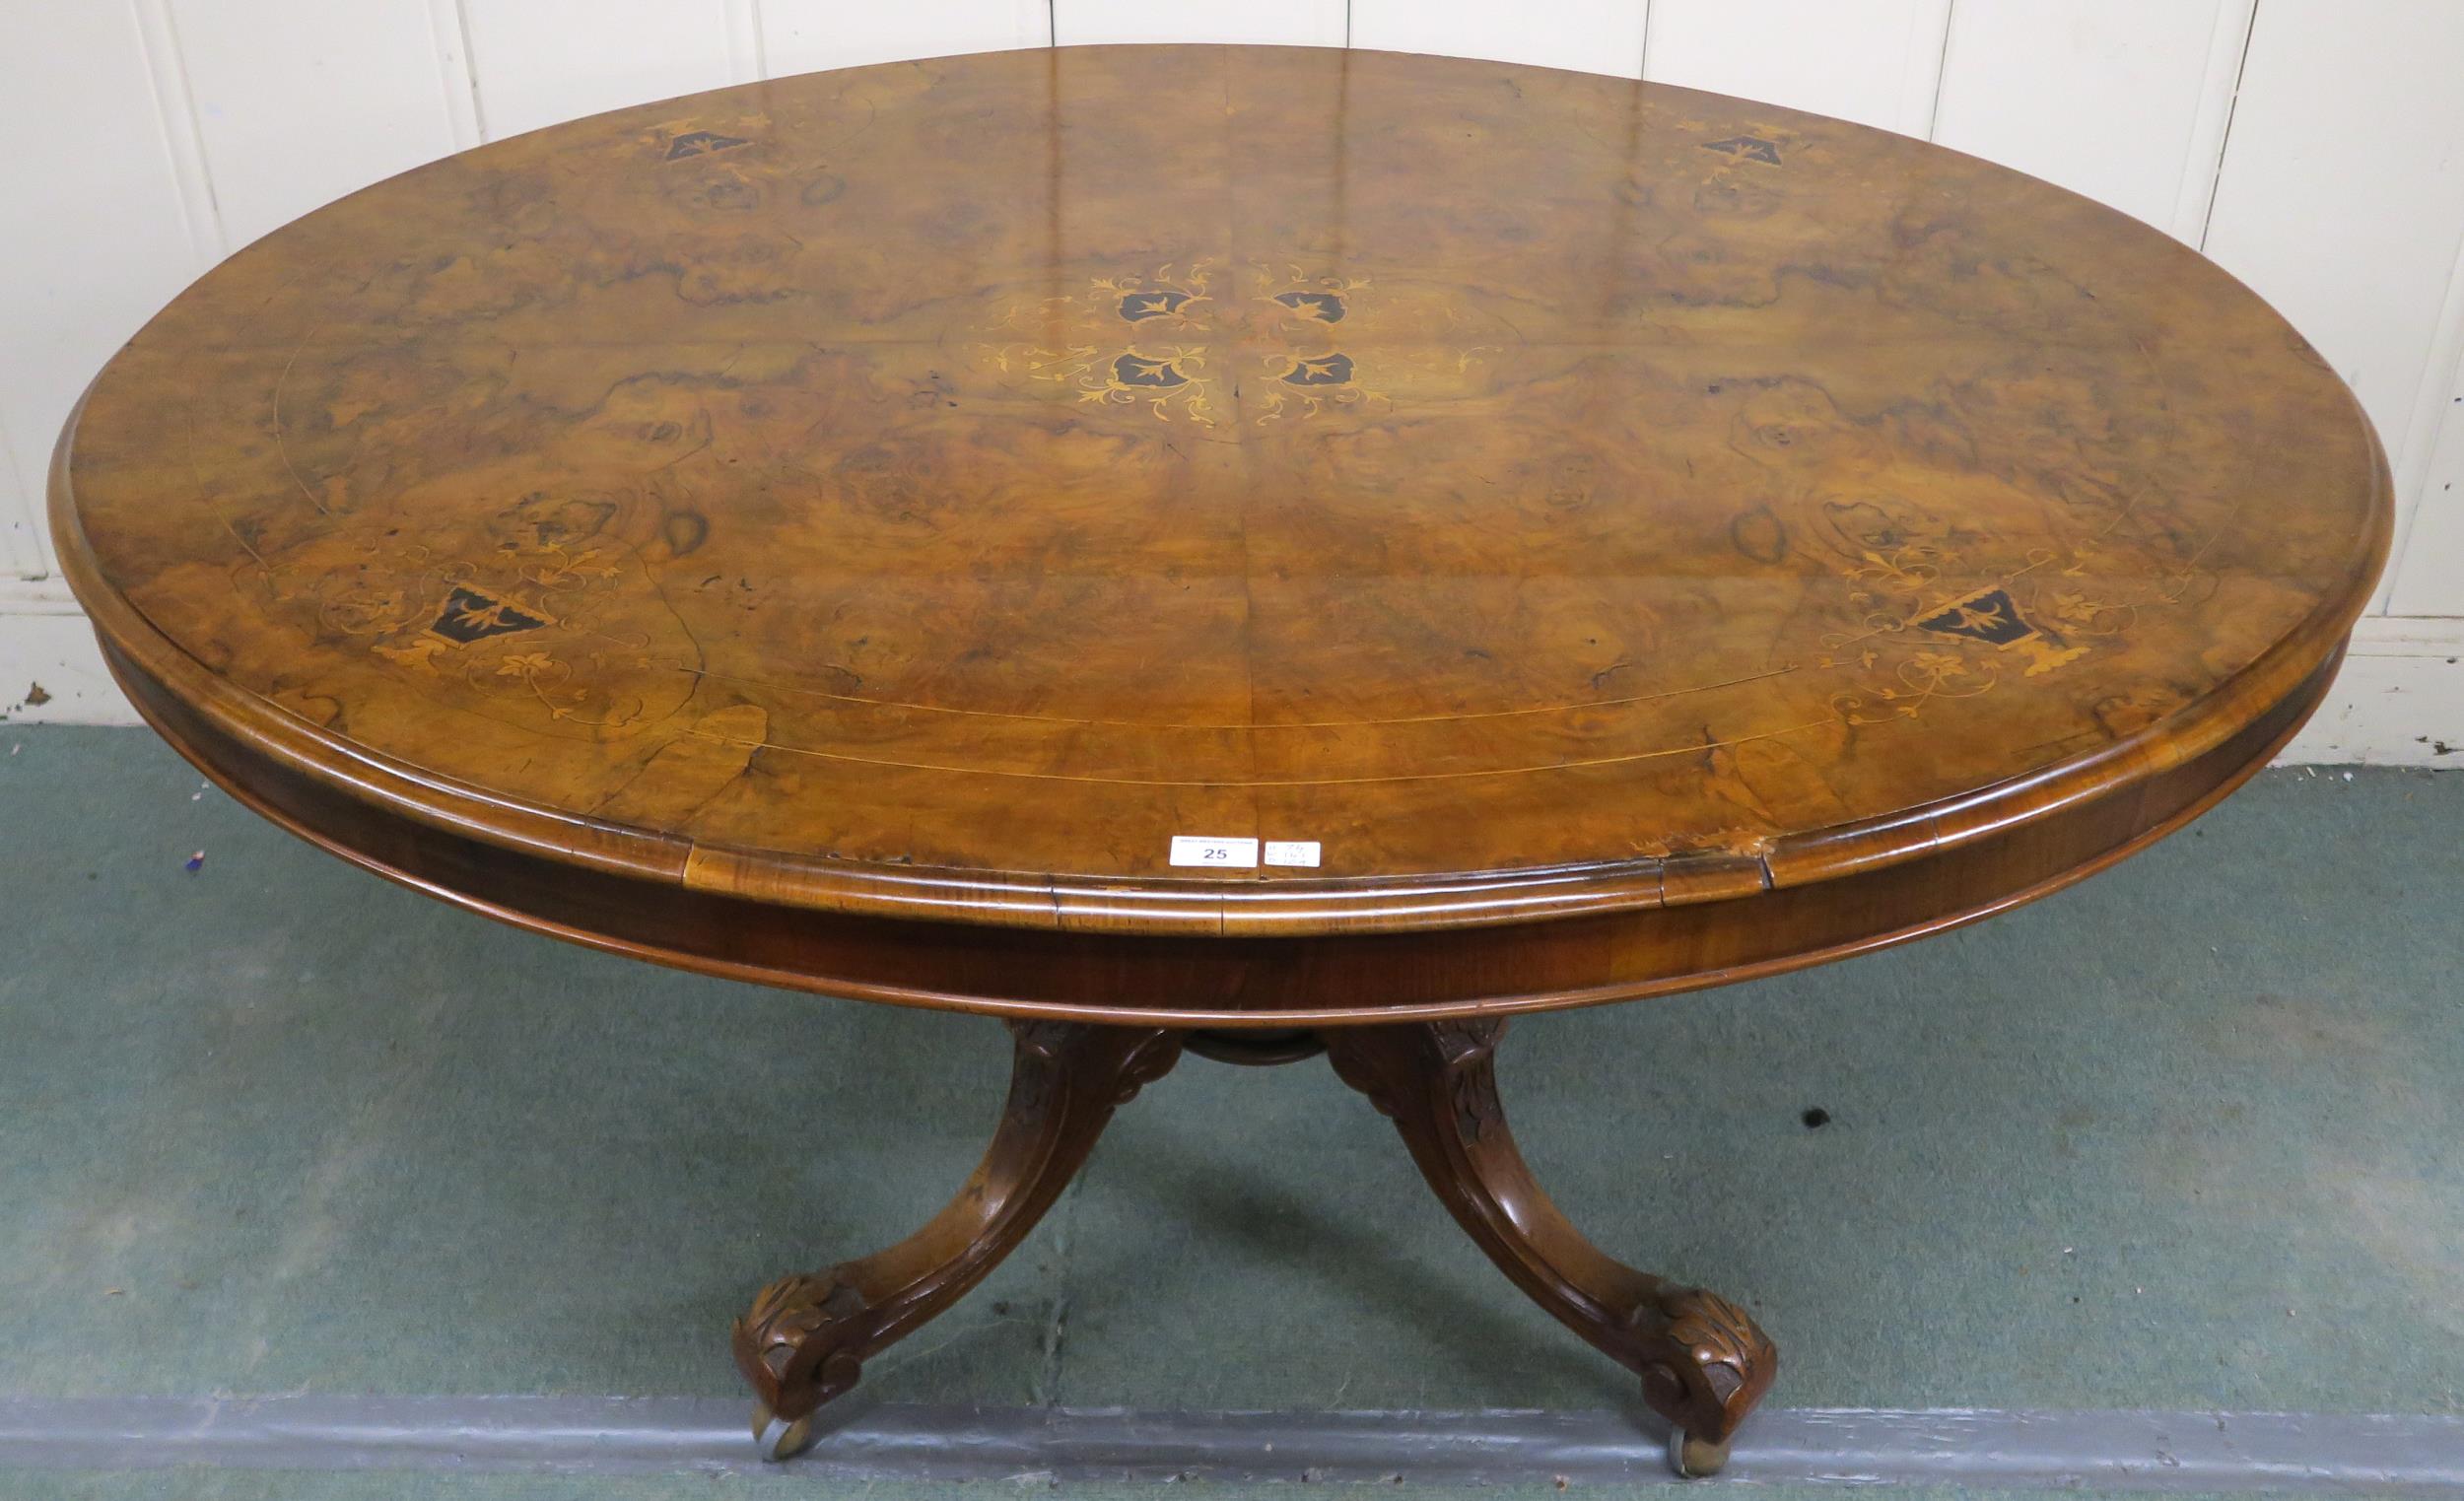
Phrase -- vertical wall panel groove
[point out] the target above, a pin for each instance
(1586, 36)
(1928, 44)
(299, 101)
(2428, 578)
(542, 61)
(20, 538)
(2341, 200)
(1290, 22)
(2431, 532)
(744, 40)
(2228, 50)
(1878, 62)
(2124, 100)
(470, 66)
(113, 215)
(1941, 65)
(454, 75)
(802, 35)
(175, 108)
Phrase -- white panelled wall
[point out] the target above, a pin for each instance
(2314, 147)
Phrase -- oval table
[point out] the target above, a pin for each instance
(1253, 551)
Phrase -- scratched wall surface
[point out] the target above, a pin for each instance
(177, 130)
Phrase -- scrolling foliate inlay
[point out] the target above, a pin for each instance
(701, 143)
(1315, 373)
(470, 616)
(541, 618)
(1922, 638)
(1940, 606)
(1747, 148)
(1122, 341)
(1191, 345)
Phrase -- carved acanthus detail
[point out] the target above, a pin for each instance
(806, 1339)
(1718, 1365)
(800, 1344)
(1466, 1048)
(1703, 1362)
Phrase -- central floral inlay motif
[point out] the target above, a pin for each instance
(1196, 344)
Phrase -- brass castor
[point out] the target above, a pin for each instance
(1693, 1457)
(776, 1439)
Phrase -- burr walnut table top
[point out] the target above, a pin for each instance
(924, 492)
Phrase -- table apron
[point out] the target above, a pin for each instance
(1264, 981)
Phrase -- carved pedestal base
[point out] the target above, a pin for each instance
(1703, 1362)
(807, 1336)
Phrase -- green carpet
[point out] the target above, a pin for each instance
(2180, 1137)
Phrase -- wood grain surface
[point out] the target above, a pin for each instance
(923, 492)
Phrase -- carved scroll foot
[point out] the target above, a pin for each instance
(1703, 1362)
(807, 1336)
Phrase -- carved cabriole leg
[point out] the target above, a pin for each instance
(806, 1337)
(1703, 1362)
